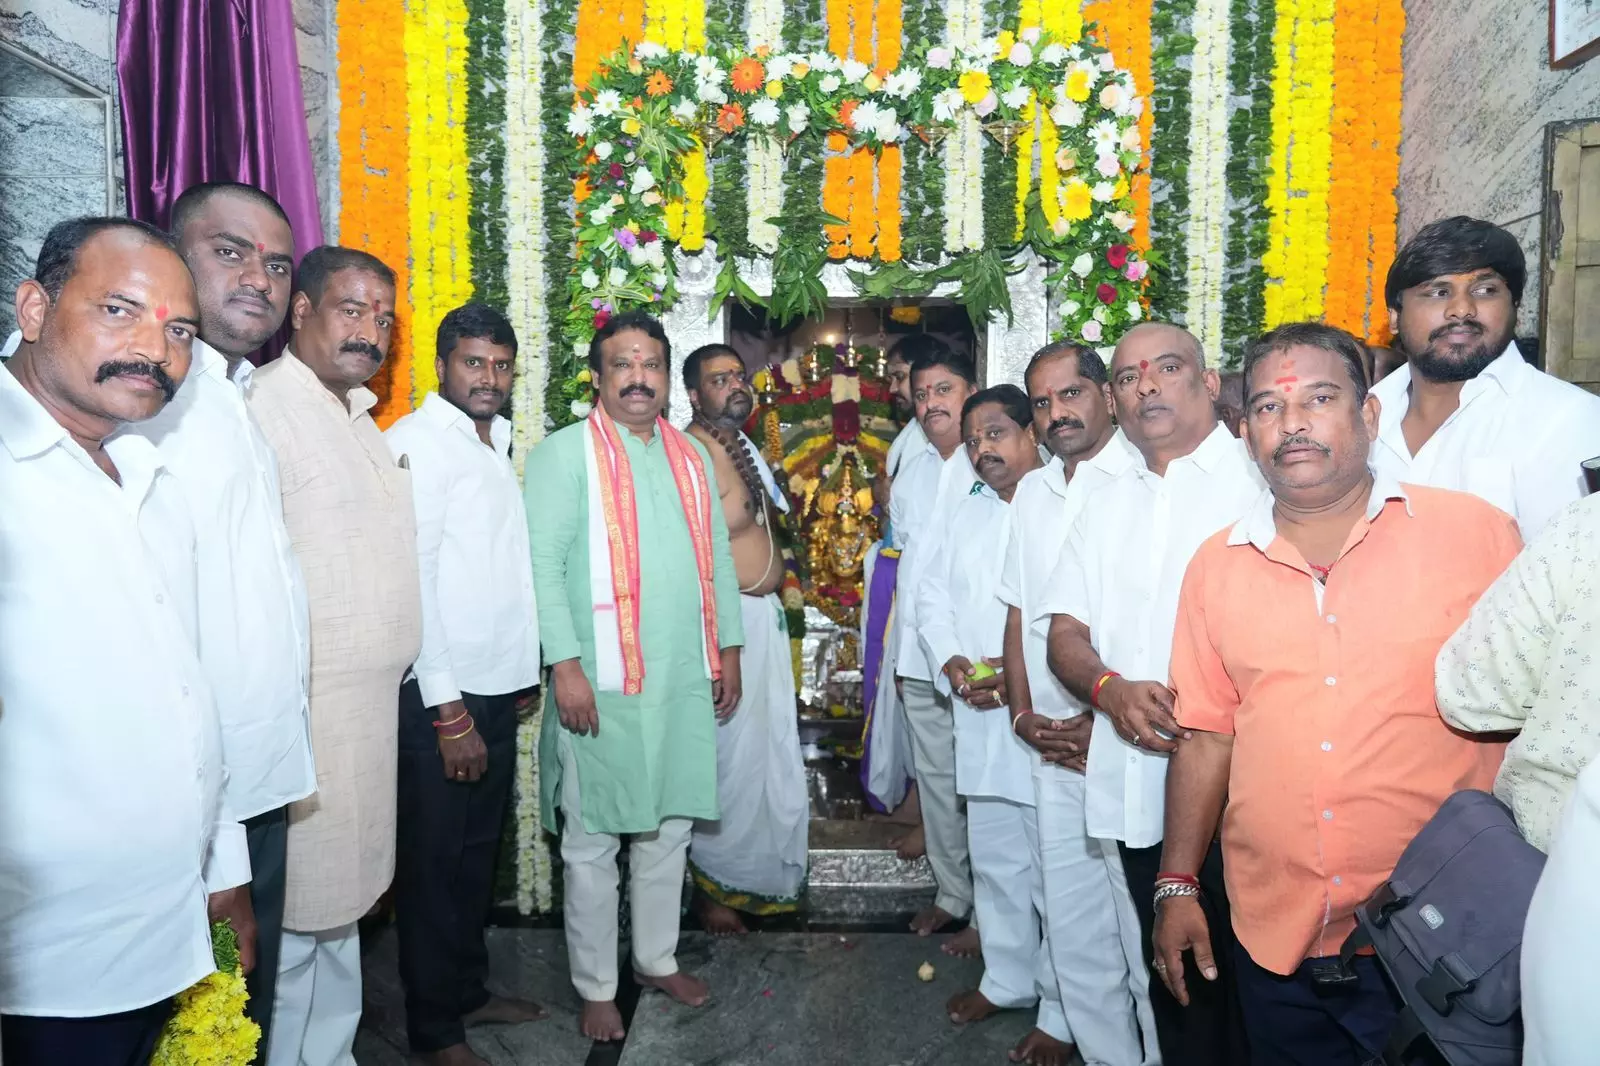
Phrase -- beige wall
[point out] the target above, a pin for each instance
(1478, 94)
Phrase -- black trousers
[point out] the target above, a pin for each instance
(125, 1039)
(1293, 1025)
(447, 835)
(268, 837)
(1210, 1030)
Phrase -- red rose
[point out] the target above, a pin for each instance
(601, 318)
(648, 235)
(615, 170)
(1117, 256)
(1107, 293)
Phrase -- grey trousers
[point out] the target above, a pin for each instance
(944, 818)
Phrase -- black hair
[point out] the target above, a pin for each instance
(691, 365)
(474, 320)
(642, 321)
(1310, 335)
(1457, 245)
(1090, 365)
(908, 348)
(940, 354)
(192, 199)
(1013, 399)
(321, 264)
(58, 255)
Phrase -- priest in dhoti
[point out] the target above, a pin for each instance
(961, 625)
(754, 858)
(639, 615)
(347, 507)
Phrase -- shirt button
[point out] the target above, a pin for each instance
(1330, 681)
(1327, 816)
(1338, 880)
(1133, 760)
(160, 598)
(1326, 746)
(1332, 618)
(186, 690)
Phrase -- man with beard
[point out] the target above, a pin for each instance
(963, 624)
(116, 826)
(930, 482)
(1468, 412)
(754, 858)
(1084, 911)
(239, 248)
(1109, 610)
(639, 613)
(347, 506)
(478, 669)
(1303, 667)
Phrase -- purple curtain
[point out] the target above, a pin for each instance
(210, 91)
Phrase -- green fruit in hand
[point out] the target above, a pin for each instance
(979, 671)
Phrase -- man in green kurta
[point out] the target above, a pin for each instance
(645, 660)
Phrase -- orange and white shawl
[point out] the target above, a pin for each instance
(614, 575)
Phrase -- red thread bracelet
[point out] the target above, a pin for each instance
(1094, 693)
(1178, 879)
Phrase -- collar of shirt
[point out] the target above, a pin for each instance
(1260, 529)
(28, 431)
(447, 414)
(909, 439)
(361, 399)
(1117, 456)
(1507, 374)
(1208, 456)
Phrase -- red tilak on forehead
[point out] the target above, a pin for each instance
(1286, 382)
(161, 312)
(260, 247)
(1144, 364)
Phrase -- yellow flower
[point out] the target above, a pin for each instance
(1121, 191)
(974, 85)
(774, 88)
(1078, 86)
(872, 81)
(1076, 202)
(630, 126)
(1004, 43)
(800, 70)
(585, 375)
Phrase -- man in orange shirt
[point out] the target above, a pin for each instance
(1303, 669)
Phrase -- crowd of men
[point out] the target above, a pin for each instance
(1176, 690)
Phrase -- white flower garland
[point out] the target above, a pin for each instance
(764, 195)
(766, 24)
(525, 283)
(963, 23)
(1208, 189)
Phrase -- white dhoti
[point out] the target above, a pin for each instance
(754, 858)
(318, 1004)
(887, 744)
(1092, 927)
(590, 900)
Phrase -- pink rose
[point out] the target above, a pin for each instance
(1090, 331)
(1136, 271)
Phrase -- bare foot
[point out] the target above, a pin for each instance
(911, 846)
(601, 1021)
(717, 919)
(1039, 1048)
(502, 1010)
(690, 991)
(964, 944)
(969, 1006)
(931, 920)
(454, 1055)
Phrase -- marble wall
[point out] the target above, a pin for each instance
(54, 134)
(1479, 92)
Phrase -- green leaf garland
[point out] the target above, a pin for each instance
(486, 149)
(1249, 159)
(1171, 51)
(559, 18)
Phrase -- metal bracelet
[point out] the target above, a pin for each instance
(1174, 888)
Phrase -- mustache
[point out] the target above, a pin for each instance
(1064, 422)
(496, 393)
(1466, 324)
(638, 388)
(251, 295)
(137, 368)
(371, 351)
(1299, 441)
(986, 461)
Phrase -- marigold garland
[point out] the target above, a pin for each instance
(208, 1026)
(1384, 166)
(836, 195)
(863, 205)
(1352, 142)
(890, 38)
(373, 170)
(888, 209)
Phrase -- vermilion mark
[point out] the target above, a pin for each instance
(261, 247)
(1286, 382)
(161, 312)
(1144, 364)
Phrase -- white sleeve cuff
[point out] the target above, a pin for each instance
(437, 688)
(228, 861)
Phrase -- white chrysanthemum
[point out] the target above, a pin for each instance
(1052, 55)
(865, 116)
(946, 104)
(589, 279)
(1067, 115)
(710, 92)
(685, 110)
(580, 123)
(764, 112)
(888, 128)
(1083, 266)
(1103, 192)
(653, 254)
(798, 116)
(648, 51)
(607, 102)
(902, 83)
(824, 61)
(853, 70)
(830, 83)
(1105, 136)
(1016, 96)
(642, 180)
(779, 67)
(706, 68)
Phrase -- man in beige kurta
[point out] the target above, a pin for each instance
(348, 509)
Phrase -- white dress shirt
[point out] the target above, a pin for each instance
(480, 630)
(1046, 506)
(1525, 661)
(255, 630)
(1120, 576)
(962, 614)
(908, 441)
(1516, 440)
(931, 486)
(111, 771)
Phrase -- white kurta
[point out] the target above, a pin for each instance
(919, 505)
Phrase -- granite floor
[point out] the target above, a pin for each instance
(779, 999)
